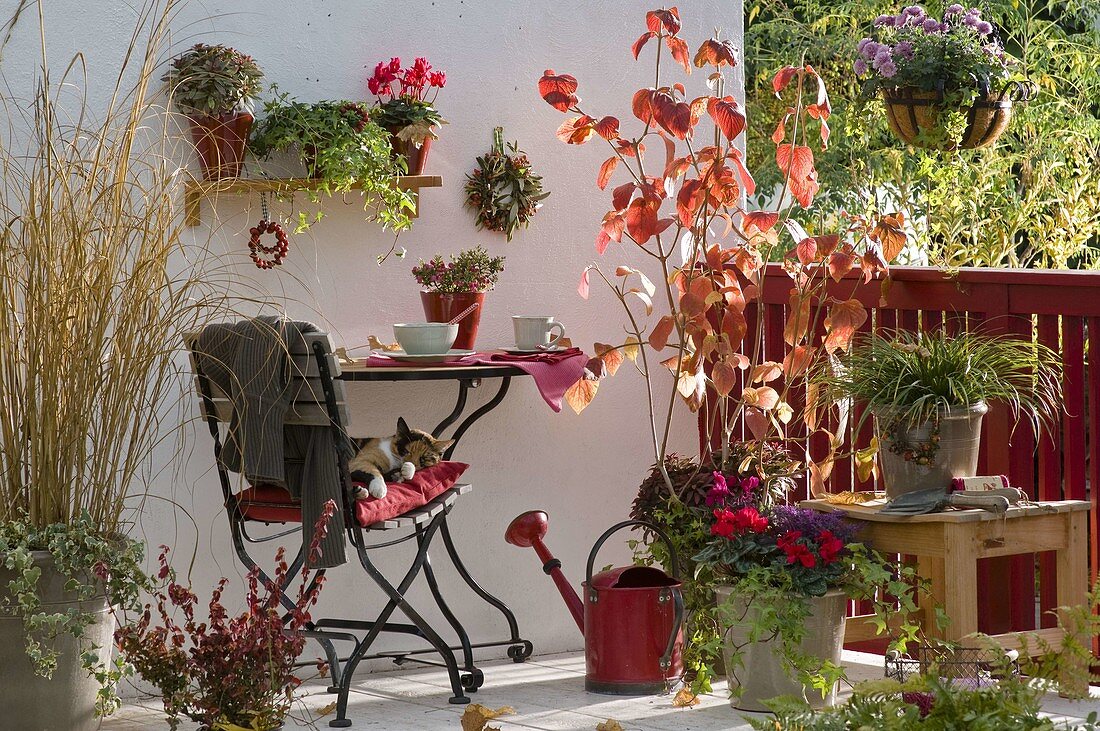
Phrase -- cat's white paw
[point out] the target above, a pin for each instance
(361, 493)
(377, 488)
(408, 469)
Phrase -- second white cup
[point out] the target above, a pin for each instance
(536, 331)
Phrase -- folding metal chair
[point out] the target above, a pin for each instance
(319, 400)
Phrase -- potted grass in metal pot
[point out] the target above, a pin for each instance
(928, 394)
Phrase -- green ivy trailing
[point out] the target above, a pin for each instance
(91, 565)
(1030, 200)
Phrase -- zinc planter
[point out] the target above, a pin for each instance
(928, 455)
(65, 702)
(760, 673)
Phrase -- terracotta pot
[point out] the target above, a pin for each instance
(416, 158)
(760, 675)
(958, 437)
(439, 307)
(220, 141)
(912, 111)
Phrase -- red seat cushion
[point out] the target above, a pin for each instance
(271, 504)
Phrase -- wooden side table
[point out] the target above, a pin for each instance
(948, 545)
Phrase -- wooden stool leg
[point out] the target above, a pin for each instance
(1073, 589)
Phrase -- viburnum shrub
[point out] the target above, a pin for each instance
(229, 673)
(472, 270)
(683, 213)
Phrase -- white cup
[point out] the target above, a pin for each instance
(425, 338)
(534, 331)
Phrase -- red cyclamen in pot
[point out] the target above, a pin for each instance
(404, 109)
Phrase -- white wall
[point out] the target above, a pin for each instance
(582, 469)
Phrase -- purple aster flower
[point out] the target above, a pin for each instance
(931, 25)
(887, 69)
(971, 21)
(883, 56)
(861, 67)
(953, 10)
(983, 28)
(884, 20)
(914, 10)
(717, 495)
(904, 49)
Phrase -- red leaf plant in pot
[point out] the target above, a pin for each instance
(695, 255)
(229, 673)
(215, 86)
(404, 108)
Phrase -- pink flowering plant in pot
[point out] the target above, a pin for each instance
(405, 109)
(946, 80)
(787, 574)
(449, 288)
(229, 673)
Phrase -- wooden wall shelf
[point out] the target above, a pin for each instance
(197, 190)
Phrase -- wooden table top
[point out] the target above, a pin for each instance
(873, 512)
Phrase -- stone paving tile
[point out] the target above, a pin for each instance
(548, 695)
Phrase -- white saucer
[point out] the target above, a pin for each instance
(447, 357)
(525, 351)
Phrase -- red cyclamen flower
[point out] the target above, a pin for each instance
(829, 546)
(795, 551)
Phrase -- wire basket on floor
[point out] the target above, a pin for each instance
(975, 666)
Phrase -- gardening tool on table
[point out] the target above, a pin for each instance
(930, 501)
(631, 616)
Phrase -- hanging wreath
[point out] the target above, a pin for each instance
(502, 189)
(278, 250)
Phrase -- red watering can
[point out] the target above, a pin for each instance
(630, 616)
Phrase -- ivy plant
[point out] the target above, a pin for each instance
(1030, 200)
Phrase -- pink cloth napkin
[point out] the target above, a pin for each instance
(553, 373)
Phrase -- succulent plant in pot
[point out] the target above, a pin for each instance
(403, 107)
(928, 393)
(215, 86)
(342, 148)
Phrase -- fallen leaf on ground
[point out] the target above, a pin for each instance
(685, 699)
(477, 716)
(326, 710)
(610, 725)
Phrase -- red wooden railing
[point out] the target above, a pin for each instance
(1059, 309)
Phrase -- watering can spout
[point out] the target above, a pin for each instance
(527, 531)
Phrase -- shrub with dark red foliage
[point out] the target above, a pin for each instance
(226, 671)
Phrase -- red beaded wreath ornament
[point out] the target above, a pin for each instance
(278, 250)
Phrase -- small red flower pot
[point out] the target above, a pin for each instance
(416, 158)
(440, 307)
(220, 142)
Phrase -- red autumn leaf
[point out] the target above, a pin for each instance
(798, 360)
(827, 243)
(888, 232)
(780, 132)
(581, 393)
(717, 53)
(642, 105)
(783, 78)
(766, 372)
(749, 261)
(747, 183)
(668, 19)
(762, 221)
(558, 90)
(658, 337)
(620, 197)
(602, 241)
(582, 286)
(673, 116)
(626, 148)
(872, 263)
(608, 128)
(679, 49)
(641, 220)
(764, 398)
(636, 48)
(841, 324)
(576, 131)
(734, 327)
(798, 322)
(689, 199)
(724, 190)
(806, 251)
(611, 357)
(797, 162)
(821, 109)
(726, 113)
(724, 377)
(840, 263)
(698, 108)
(611, 230)
(678, 167)
(606, 169)
(757, 422)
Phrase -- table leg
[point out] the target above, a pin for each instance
(960, 581)
(463, 386)
(1073, 589)
(931, 569)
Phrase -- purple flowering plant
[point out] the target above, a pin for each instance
(472, 270)
(956, 54)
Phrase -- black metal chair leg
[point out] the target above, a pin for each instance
(463, 636)
(521, 649)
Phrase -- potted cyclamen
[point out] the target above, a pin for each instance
(406, 112)
(945, 82)
(215, 87)
(450, 288)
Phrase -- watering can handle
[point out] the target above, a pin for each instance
(677, 623)
(674, 568)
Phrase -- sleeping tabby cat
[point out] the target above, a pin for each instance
(380, 458)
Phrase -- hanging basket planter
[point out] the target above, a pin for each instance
(918, 116)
